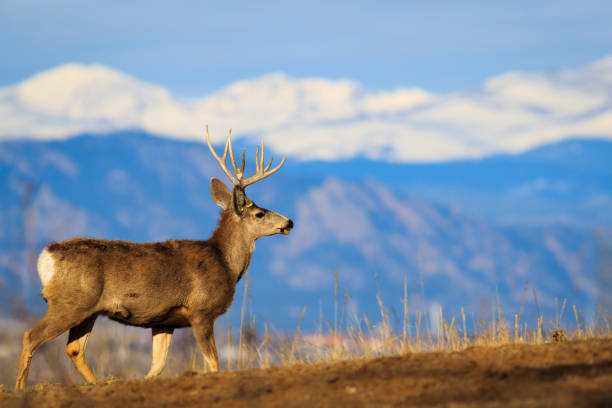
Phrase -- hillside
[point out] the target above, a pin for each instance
(572, 374)
(471, 233)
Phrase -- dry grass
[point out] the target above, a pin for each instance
(120, 351)
(572, 374)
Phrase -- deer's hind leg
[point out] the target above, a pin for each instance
(75, 348)
(54, 323)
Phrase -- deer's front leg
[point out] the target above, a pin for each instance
(159, 351)
(203, 330)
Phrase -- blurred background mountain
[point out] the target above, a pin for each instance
(507, 230)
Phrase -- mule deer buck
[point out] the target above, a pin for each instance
(162, 285)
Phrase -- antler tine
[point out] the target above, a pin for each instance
(237, 172)
(261, 160)
(277, 168)
(223, 161)
(269, 164)
(242, 166)
(228, 144)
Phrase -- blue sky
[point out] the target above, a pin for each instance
(193, 48)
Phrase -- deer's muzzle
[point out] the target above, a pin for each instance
(287, 228)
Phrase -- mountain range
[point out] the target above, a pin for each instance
(509, 230)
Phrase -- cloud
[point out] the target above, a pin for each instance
(316, 118)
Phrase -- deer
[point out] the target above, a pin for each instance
(161, 285)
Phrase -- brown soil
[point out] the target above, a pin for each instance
(568, 374)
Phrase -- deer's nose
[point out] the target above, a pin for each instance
(290, 224)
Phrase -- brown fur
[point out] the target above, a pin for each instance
(161, 285)
(126, 281)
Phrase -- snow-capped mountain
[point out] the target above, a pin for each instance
(319, 118)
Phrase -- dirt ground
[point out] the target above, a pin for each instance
(568, 374)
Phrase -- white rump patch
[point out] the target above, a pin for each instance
(46, 267)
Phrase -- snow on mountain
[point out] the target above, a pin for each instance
(73, 98)
(324, 119)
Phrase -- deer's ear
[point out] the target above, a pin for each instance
(220, 193)
(240, 200)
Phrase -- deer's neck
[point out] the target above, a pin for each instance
(235, 245)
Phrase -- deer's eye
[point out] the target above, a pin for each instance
(259, 214)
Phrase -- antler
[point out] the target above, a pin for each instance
(238, 180)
